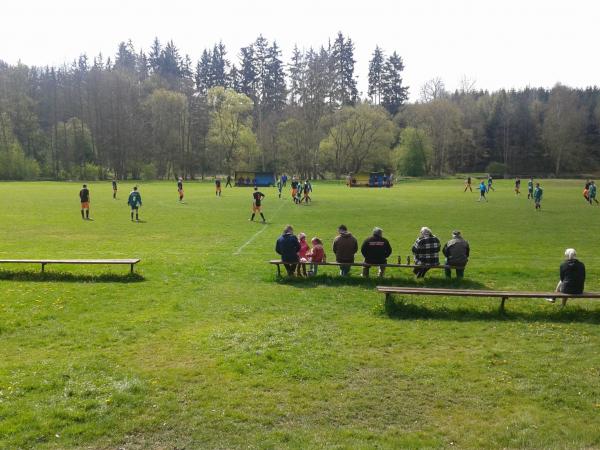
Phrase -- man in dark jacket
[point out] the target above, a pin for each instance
(426, 251)
(376, 249)
(456, 252)
(288, 246)
(572, 275)
(344, 247)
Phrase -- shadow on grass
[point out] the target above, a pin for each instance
(371, 283)
(27, 276)
(398, 309)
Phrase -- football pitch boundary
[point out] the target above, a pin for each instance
(255, 235)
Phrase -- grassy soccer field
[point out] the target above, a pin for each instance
(206, 348)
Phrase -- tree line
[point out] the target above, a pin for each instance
(156, 114)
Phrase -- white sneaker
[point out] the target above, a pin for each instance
(551, 300)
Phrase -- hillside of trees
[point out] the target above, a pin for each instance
(157, 114)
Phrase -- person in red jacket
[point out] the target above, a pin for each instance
(302, 255)
(316, 255)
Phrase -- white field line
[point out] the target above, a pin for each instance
(255, 235)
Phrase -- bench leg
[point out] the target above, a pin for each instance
(564, 302)
(502, 303)
(43, 266)
(131, 268)
(278, 271)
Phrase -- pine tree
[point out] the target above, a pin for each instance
(376, 65)
(275, 90)
(393, 93)
(155, 56)
(296, 75)
(247, 72)
(344, 87)
(203, 72)
(219, 66)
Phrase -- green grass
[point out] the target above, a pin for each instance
(204, 347)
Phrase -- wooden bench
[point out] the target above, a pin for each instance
(389, 291)
(44, 262)
(279, 263)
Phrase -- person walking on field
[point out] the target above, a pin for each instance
(517, 186)
(180, 188)
(344, 248)
(489, 183)
(468, 185)
(592, 193)
(456, 251)
(84, 197)
(218, 187)
(257, 198)
(306, 190)
(426, 251)
(530, 188)
(538, 193)
(376, 249)
(135, 201)
(228, 184)
(572, 275)
(482, 191)
(288, 246)
(114, 187)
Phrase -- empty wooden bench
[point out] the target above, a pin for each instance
(389, 291)
(44, 262)
(279, 263)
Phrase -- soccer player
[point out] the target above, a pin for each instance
(586, 191)
(482, 191)
(307, 190)
(489, 184)
(592, 192)
(218, 187)
(537, 196)
(294, 188)
(298, 198)
(257, 197)
(135, 201)
(517, 186)
(530, 188)
(180, 188)
(228, 181)
(84, 196)
(279, 186)
(468, 185)
(114, 186)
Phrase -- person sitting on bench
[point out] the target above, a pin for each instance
(288, 246)
(572, 275)
(344, 248)
(425, 250)
(456, 252)
(376, 249)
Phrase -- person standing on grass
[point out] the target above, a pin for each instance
(180, 188)
(530, 188)
(218, 187)
(302, 255)
(468, 185)
(456, 251)
(489, 183)
(517, 186)
(376, 249)
(84, 197)
(114, 187)
(228, 184)
(294, 185)
(538, 193)
(316, 255)
(257, 198)
(426, 251)
(135, 201)
(279, 186)
(592, 193)
(288, 246)
(572, 275)
(299, 194)
(307, 189)
(482, 191)
(344, 248)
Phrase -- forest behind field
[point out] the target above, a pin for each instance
(159, 114)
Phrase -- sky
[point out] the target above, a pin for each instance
(497, 44)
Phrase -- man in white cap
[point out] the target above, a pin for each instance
(426, 251)
(456, 252)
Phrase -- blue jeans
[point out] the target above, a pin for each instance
(344, 270)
